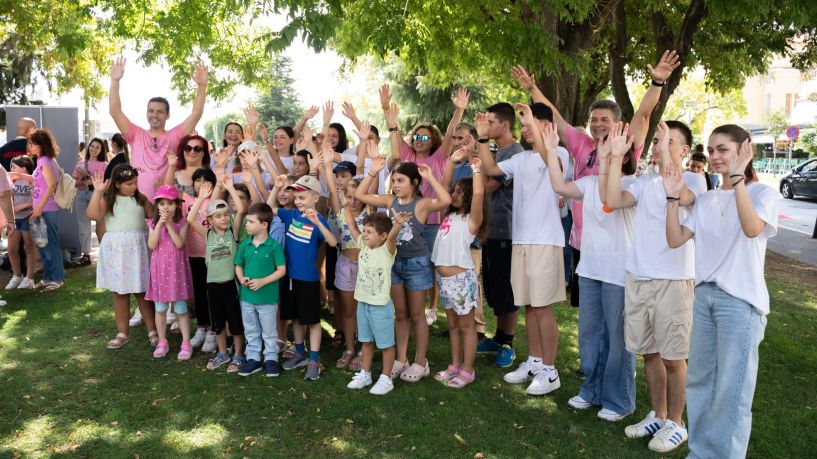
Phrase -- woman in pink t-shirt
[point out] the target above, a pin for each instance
(41, 145)
(96, 156)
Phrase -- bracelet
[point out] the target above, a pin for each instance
(482, 140)
(477, 172)
(737, 175)
(372, 176)
(660, 85)
(394, 129)
(673, 199)
(738, 181)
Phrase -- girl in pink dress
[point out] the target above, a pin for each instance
(170, 282)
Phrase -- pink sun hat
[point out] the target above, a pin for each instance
(168, 192)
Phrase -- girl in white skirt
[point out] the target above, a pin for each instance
(122, 266)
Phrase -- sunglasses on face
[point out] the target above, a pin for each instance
(420, 138)
(189, 148)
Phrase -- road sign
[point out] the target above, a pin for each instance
(793, 132)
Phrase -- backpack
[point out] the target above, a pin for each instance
(66, 190)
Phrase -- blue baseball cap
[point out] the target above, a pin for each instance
(346, 166)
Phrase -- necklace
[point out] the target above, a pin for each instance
(723, 210)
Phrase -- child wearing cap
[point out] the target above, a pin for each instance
(222, 293)
(259, 264)
(170, 282)
(306, 230)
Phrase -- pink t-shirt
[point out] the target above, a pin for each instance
(437, 163)
(149, 154)
(196, 244)
(93, 168)
(581, 145)
(5, 185)
(41, 186)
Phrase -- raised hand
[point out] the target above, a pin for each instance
(619, 140)
(220, 174)
(745, 154)
(673, 181)
(311, 112)
(365, 129)
(524, 113)
(246, 176)
(378, 164)
(172, 159)
(425, 171)
(263, 132)
(327, 154)
(385, 96)
(280, 181)
(460, 155)
(391, 113)
(550, 136)
(253, 117)
(328, 111)
(481, 121)
(476, 163)
(315, 161)
(669, 61)
(348, 110)
(200, 74)
(224, 155)
(470, 142)
(371, 149)
(118, 68)
(311, 215)
(227, 182)
(251, 157)
(460, 100)
(99, 182)
(400, 218)
(661, 146)
(205, 190)
(527, 82)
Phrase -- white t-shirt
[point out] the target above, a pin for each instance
(536, 219)
(351, 156)
(651, 257)
(453, 242)
(723, 254)
(606, 236)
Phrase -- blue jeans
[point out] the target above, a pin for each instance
(723, 361)
(51, 254)
(608, 368)
(260, 323)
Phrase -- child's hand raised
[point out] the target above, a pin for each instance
(673, 181)
(425, 171)
(205, 190)
(371, 149)
(363, 133)
(378, 164)
(227, 182)
(401, 218)
(99, 181)
(280, 181)
(311, 215)
(460, 155)
(476, 163)
(620, 140)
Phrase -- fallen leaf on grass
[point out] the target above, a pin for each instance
(303, 395)
(349, 421)
(479, 456)
(398, 436)
(459, 438)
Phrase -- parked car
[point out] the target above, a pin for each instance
(801, 181)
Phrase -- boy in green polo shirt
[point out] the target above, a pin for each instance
(259, 263)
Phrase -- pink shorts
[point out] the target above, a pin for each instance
(345, 274)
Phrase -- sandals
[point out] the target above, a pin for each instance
(153, 337)
(462, 379)
(50, 286)
(117, 343)
(398, 368)
(415, 372)
(185, 351)
(236, 364)
(345, 359)
(357, 363)
(161, 349)
(447, 374)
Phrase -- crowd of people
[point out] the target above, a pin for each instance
(252, 238)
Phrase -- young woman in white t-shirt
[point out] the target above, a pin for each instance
(730, 226)
(607, 236)
(456, 278)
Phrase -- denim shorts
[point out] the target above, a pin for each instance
(345, 274)
(375, 324)
(179, 307)
(22, 224)
(417, 273)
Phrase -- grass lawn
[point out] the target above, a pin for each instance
(65, 394)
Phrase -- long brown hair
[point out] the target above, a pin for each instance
(738, 135)
(120, 174)
(467, 187)
(46, 142)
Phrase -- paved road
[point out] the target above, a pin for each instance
(797, 214)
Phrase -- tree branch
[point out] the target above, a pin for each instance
(617, 55)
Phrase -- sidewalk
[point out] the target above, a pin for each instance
(792, 244)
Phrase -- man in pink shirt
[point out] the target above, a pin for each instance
(604, 114)
(149, 147)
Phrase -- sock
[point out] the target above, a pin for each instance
(548, 368)
(480, 336)
(499, 337)
(535, 363)
(508, 340)
(313, 355)
(300, 348)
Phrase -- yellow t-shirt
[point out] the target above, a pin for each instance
(373, 274)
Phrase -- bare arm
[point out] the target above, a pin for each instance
(299, 126)
(460, 102)
(428, 205)
(362, 192)
(312, 216)
(489, 166)
(676, 234)
(96, 207)
(177, 237)
(640, 123)
(528, 83)
(193, 215)
(391, 240)
(155, 232)
(200, 76)
(351, 223)
(114, 102)
(477, 198)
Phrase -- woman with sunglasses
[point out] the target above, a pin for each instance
(427, 147)
(192, 153)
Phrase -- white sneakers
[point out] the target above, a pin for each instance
(542, 381)
(209, 342)
(136, 320)
(26, 283)
(431, 316)
(647, 426)
(362, 379)
(609, 415)
(669, 437)
(20, 282)
(579, 403)
(198, 338)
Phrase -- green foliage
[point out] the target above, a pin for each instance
(807, 142)
(279, 104)
(214, 128)
(776, 123)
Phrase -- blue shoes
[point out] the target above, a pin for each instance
(505, 356)
(271, 368)
(487, 346)
(250, 367)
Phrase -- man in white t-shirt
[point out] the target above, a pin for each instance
(537, 265)
(659, 291)
(149, 147)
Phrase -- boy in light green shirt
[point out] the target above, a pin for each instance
(375, 311)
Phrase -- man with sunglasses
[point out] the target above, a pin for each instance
(149, 147)
(604, 115)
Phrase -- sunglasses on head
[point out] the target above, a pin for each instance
(421, 138)
(189, 148)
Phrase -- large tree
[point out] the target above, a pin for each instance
(279, 104)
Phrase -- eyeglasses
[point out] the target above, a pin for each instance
(591, 160)
(189, 148)
(128, 173)
(420, 138)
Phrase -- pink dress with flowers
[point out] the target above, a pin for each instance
(170, 277)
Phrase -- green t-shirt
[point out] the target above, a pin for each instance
(260, 261)
(219, 254)
(242, 233)
(373, 274)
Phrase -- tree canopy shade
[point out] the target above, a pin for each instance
(576, 48)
